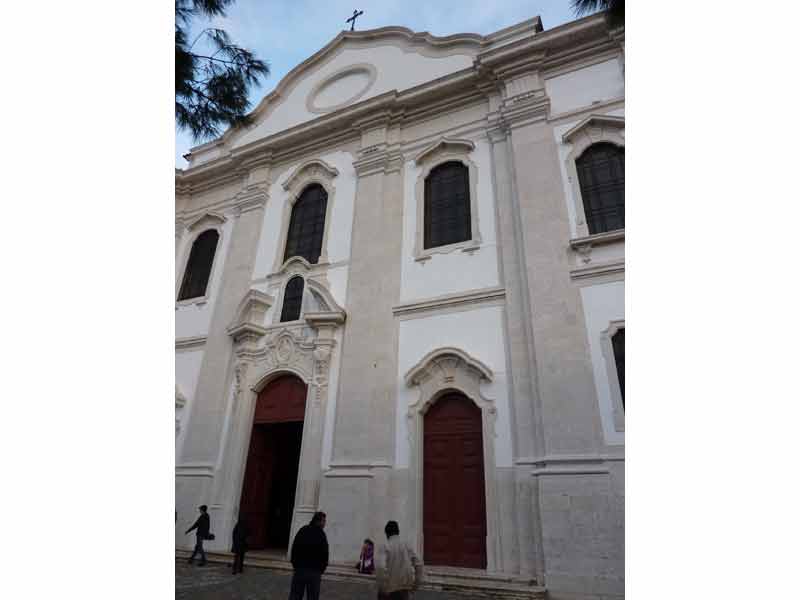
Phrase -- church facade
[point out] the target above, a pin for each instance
(400, 295)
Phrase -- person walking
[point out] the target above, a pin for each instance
(240, 533)
(397, 569)
(203, 527)
(309, 558)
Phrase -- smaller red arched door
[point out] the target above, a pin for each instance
(273, 459)
(454, 501)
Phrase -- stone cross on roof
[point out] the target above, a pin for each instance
(352, 20)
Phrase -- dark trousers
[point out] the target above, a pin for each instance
(305, 581)
(238, 561)
(398, 595)
(198, 549)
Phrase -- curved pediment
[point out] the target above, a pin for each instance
(444, 145)
(595, 127)
(209, 219)
(311, 170)
(325, 310)
(446, 363)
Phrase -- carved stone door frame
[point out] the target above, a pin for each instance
(437, 373)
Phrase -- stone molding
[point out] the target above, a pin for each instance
(444, 145)
(180, 402)
(450, 301)
(614, 268)
(438, 372)
(309, 172)
(195, 470)
(607, 348)
(442, 151)
(591, 130)
(378, 159)
(248, 325)
(583, 245)
(187, 343)
(210, 220)
(372, 74)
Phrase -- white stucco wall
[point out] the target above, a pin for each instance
(187, 371)
(563, 152)
(477, 332)
(583, 87)
(456, 271)
(338, 245)
(194, 319)
(397, 69)
(602, 304)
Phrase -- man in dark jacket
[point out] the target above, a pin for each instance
(203, 527)
(309, 559)
(240, 533)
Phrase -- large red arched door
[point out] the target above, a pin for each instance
(270, 478)
(454, 501)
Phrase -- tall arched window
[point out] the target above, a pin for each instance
(198, 267)
(447, 210)
(601, 172)
(307, 225)
(292, 299)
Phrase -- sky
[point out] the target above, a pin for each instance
(285, 33)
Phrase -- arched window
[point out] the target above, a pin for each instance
(292, 299)
(618, 343)
(198, 267)
(601, 172)
(307, 225)
(447, 211)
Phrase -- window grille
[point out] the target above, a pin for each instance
(307, 225)
(292, 299)
(447, 205)
(198, 267)
(601, 172)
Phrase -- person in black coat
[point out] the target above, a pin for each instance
(309, 558)
(239, 547)
(203, 527)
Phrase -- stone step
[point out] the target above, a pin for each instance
(469, 582)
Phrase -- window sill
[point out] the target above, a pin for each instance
(468, 246)
(199, 301)
(598, 239)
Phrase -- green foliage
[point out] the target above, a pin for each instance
(211, 89)
(615, 9)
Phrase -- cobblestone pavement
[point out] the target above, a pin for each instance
(215, 582)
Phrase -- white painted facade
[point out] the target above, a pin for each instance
(522, 308)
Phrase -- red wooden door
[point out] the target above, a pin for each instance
(454, 501)
(283, 400)
(257, 483)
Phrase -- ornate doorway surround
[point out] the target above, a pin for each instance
(438, 373)
(262, 354)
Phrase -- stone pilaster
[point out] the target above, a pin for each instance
(202, 444)
(364, 433)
